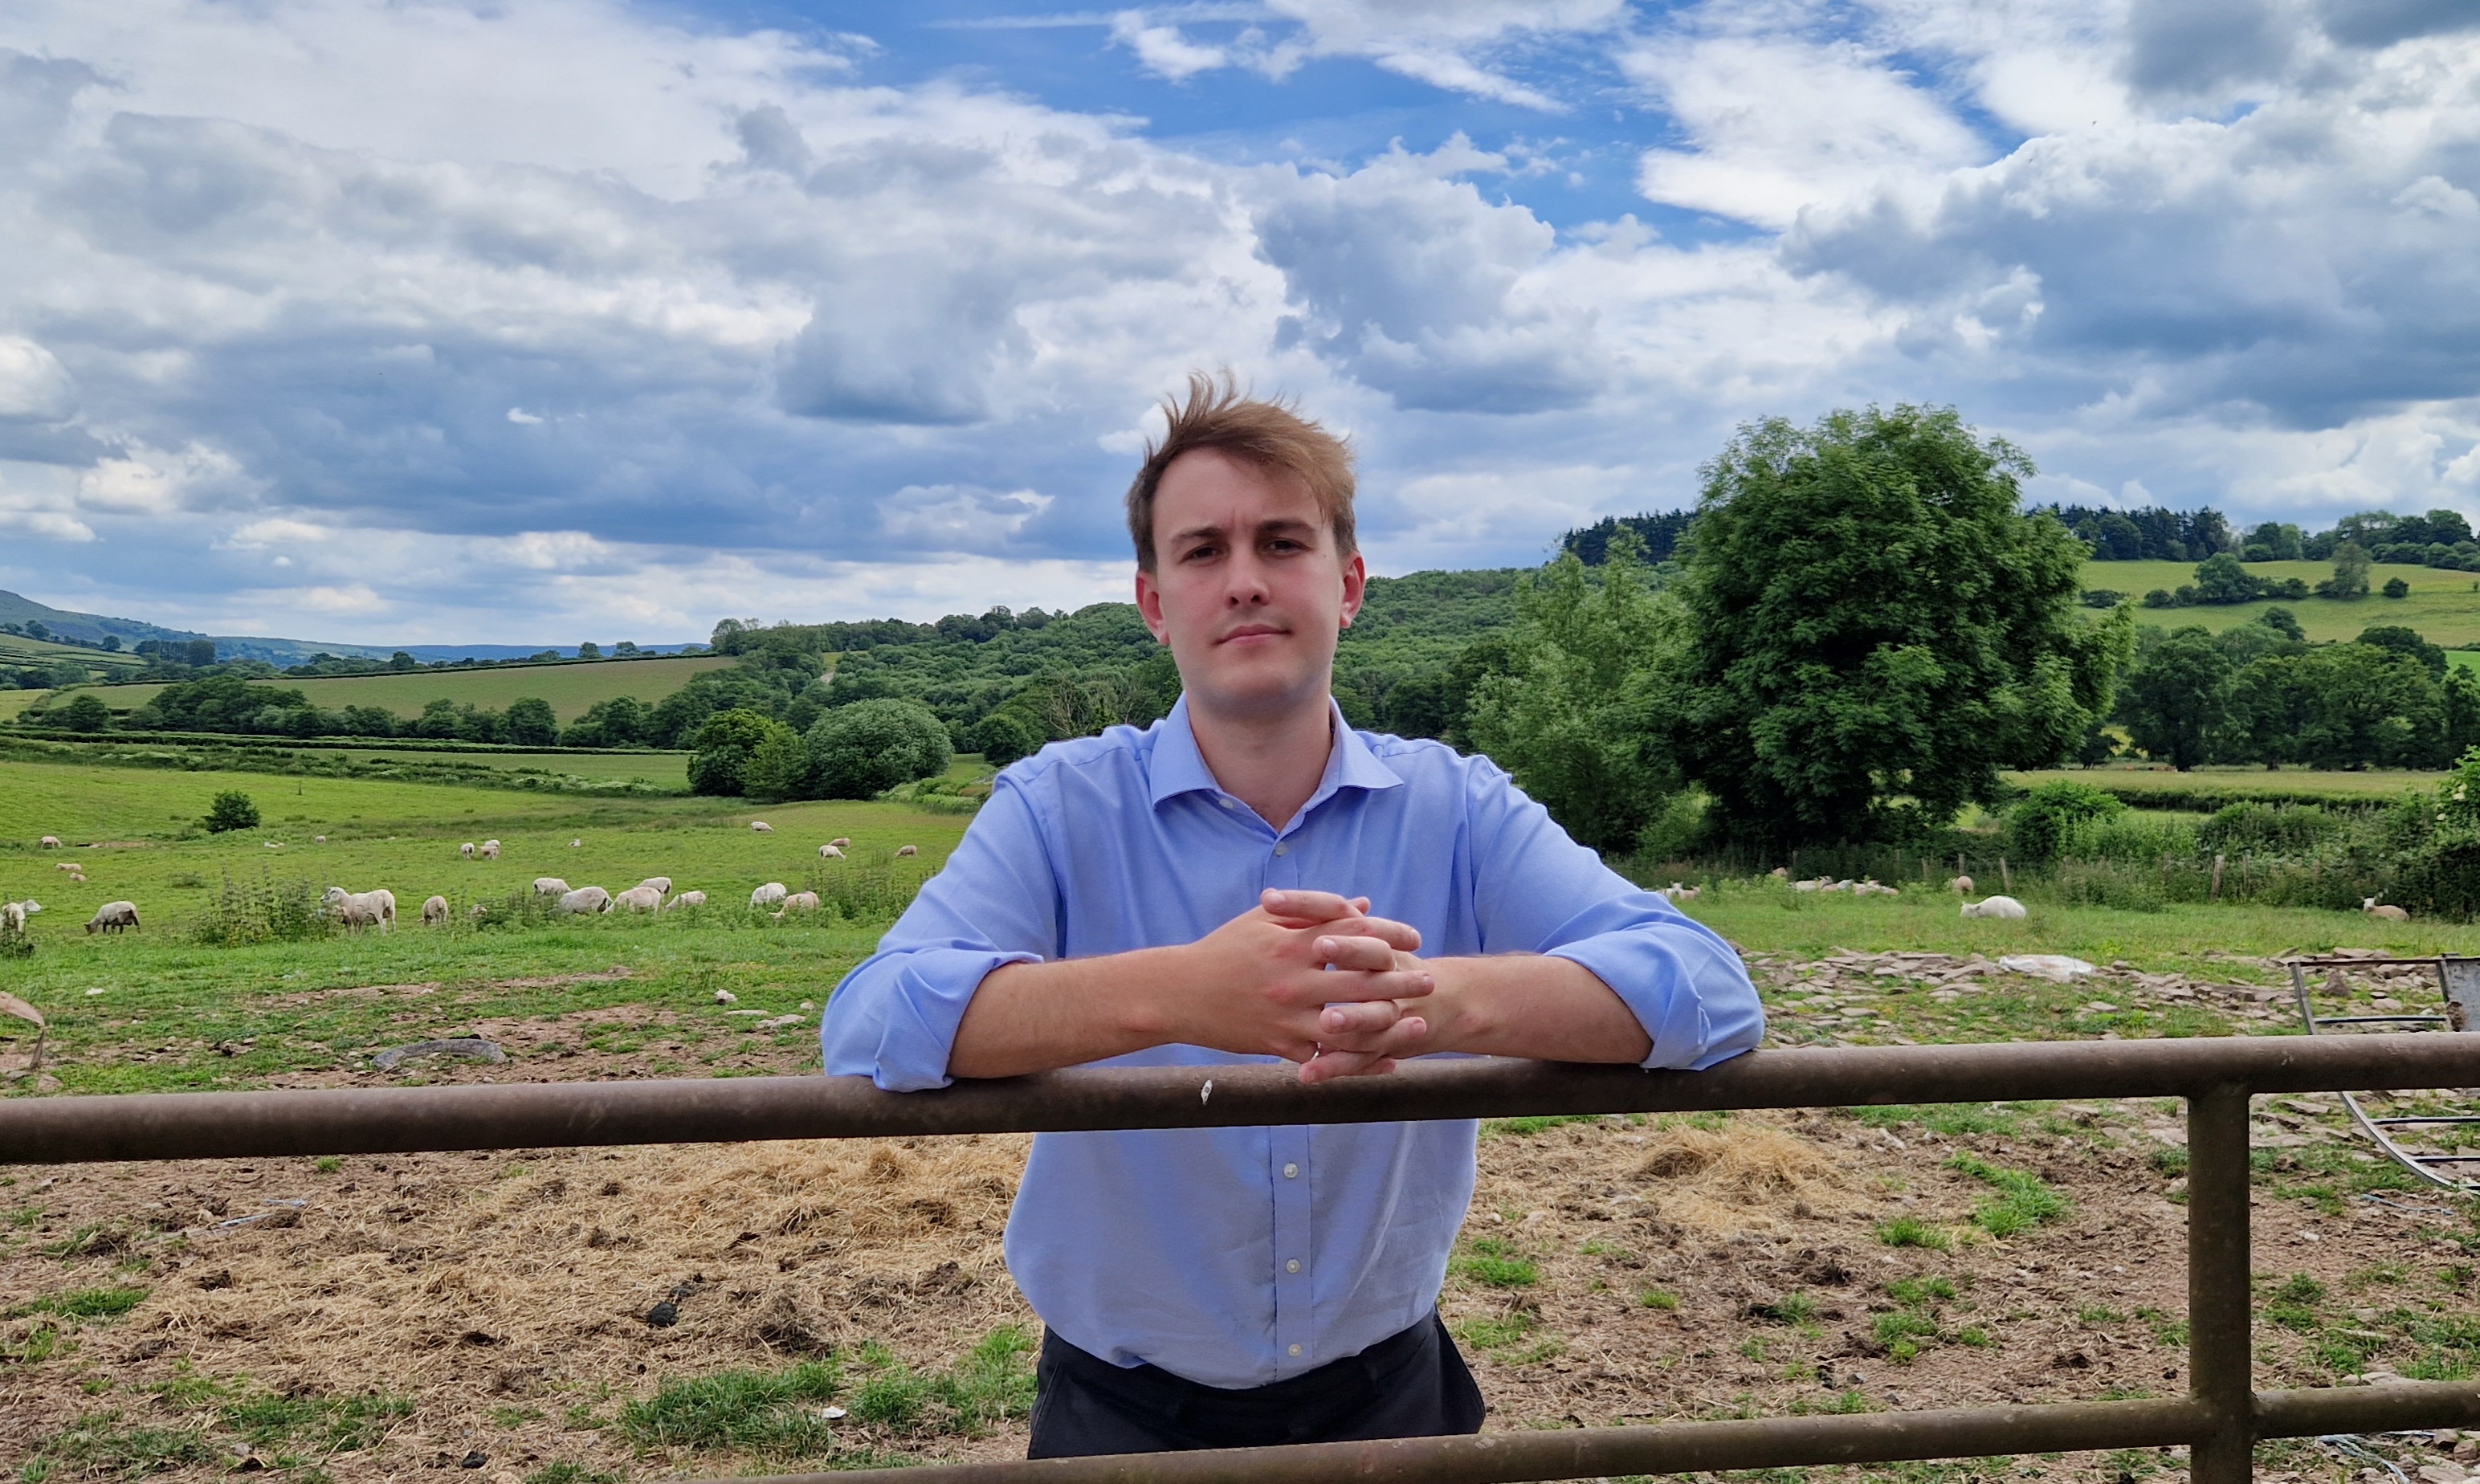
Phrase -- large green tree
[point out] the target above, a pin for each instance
(2176, 700)
(1567, 715)
(1876, 629)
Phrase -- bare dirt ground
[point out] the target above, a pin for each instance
(1613, 1272)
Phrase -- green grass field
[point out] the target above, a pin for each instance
(671, 770)
(2444, 606)
(18, 649)
(2367, 786)
(570, 688)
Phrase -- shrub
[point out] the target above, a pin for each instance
(271, 911)
(2037, 827)
(231, 809)
(720, 764)
(779, 767)
(2268, 829)
(862, 749)
(83, 713)
(1002, 737)
(2396, 587)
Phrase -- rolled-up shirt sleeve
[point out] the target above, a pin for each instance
(893, 1019)
(1538, 892)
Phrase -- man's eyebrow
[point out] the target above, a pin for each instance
(1275, 524)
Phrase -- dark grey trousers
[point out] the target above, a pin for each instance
(1411, 1385)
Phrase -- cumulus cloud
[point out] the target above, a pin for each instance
(1463, 46)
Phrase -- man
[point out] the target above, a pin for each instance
(1249, 879)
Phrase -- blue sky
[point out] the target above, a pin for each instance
(540, 319)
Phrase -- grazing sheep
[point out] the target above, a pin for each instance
(639, 899)
(661, 883)
(761, 827)
(831, 852)
(2006, 908)
(435, 912)
(769, 894)
(1873, 888)
(490, 849)
(574, 844)
(79, 879)
(113, 917)
(363, 909)
(685, 898)
(467, 850)
(2375, 909)
(799, 902)
(13, 919)
(841, 842)
(275, 844)
(50, 842)
(1807, 886)
(1962, 885)
(318, 839)
(908, 850)
(549, 886)
(69, 865)
(586, 900)
(1680, 893)
(1780, 872)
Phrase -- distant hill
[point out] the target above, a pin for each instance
(93, 628)
(2443, 605)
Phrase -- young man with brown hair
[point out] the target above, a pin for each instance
(1249, 879)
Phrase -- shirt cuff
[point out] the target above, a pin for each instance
(905, 1045)
(1659, 987)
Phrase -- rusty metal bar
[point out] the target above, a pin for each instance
(2219, 1361)
(531, 1115)
(2398, 1406)
(1603, 1452)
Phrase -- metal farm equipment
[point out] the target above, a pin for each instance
(2439, 1160)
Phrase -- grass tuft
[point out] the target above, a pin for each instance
(1494, 1263)
(2024, 1200)
(1913, 1232)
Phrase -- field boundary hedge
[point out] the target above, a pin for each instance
(284, 762)
(2207, 799)
(333, 744)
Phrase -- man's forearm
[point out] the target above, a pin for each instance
(1030, 1017)
(1530, 1005)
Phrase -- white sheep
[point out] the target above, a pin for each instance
(841, 842)
(318, 839)
(639, 899)
(1679, 893)
(685, 898)
(586, 900)
(490, 849)
(661, 883)
(467, 850)
(831, 852)
(761, 827)
(359, 910)
(13, 919)
(2006, 908)
(2375, 909)
(69, 865)
(908, 850)
(1780, 872)
(1873, 888)
(1961, 885)
(434, 911)
(574, 844)
(50, 842)
(768, 895)
(113, 917)
(799, 902)
(549, 886)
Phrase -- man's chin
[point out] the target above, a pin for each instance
(1256, 697)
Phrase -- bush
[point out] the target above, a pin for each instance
(87, 713)
(862, 750)
(779, 767)
(2037, 827)
(2396, 587)
(1002, 737)
(724, 746)
(2267, 829)
(231, 809)
(270, 912)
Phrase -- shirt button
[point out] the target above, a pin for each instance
(1226, 803)
(1291, 1173)
(1282, 849)
(1293, 1266)
(1296, 1349)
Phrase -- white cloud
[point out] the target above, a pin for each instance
(1458, 45)
(33, 383)
(523, 418)
(152, 481)
(959, 518)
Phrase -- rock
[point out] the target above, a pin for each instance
(473, 1046)
(473, 1460)
(663, 1315)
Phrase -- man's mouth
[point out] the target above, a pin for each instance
(1252, 631)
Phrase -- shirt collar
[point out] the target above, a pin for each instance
(1177, 767)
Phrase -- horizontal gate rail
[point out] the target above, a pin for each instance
(532, 1115)
(2219, 1420)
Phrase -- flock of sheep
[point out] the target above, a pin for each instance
(376, 909)
(2006, 908)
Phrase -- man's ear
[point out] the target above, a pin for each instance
(1356, 586)
(1149, 604)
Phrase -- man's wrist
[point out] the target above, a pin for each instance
(1150, 994)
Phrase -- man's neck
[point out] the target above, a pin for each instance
(1271, 763)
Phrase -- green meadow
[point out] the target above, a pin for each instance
(570, 688)
(2443, 605)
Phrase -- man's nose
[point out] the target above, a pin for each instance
(1245, 586)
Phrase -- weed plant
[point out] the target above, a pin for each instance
(264, 912)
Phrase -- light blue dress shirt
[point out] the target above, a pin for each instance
(1239, 1257)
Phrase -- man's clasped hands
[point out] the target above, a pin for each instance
(1313, 978)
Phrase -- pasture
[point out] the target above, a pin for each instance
(356, 1318)
(2443, 605)
(570, 688)
(2366, 785)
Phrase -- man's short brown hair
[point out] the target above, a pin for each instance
(1270, 435)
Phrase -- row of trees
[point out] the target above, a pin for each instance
(2255, 693)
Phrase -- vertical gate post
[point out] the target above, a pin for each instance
(2219, 1359)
